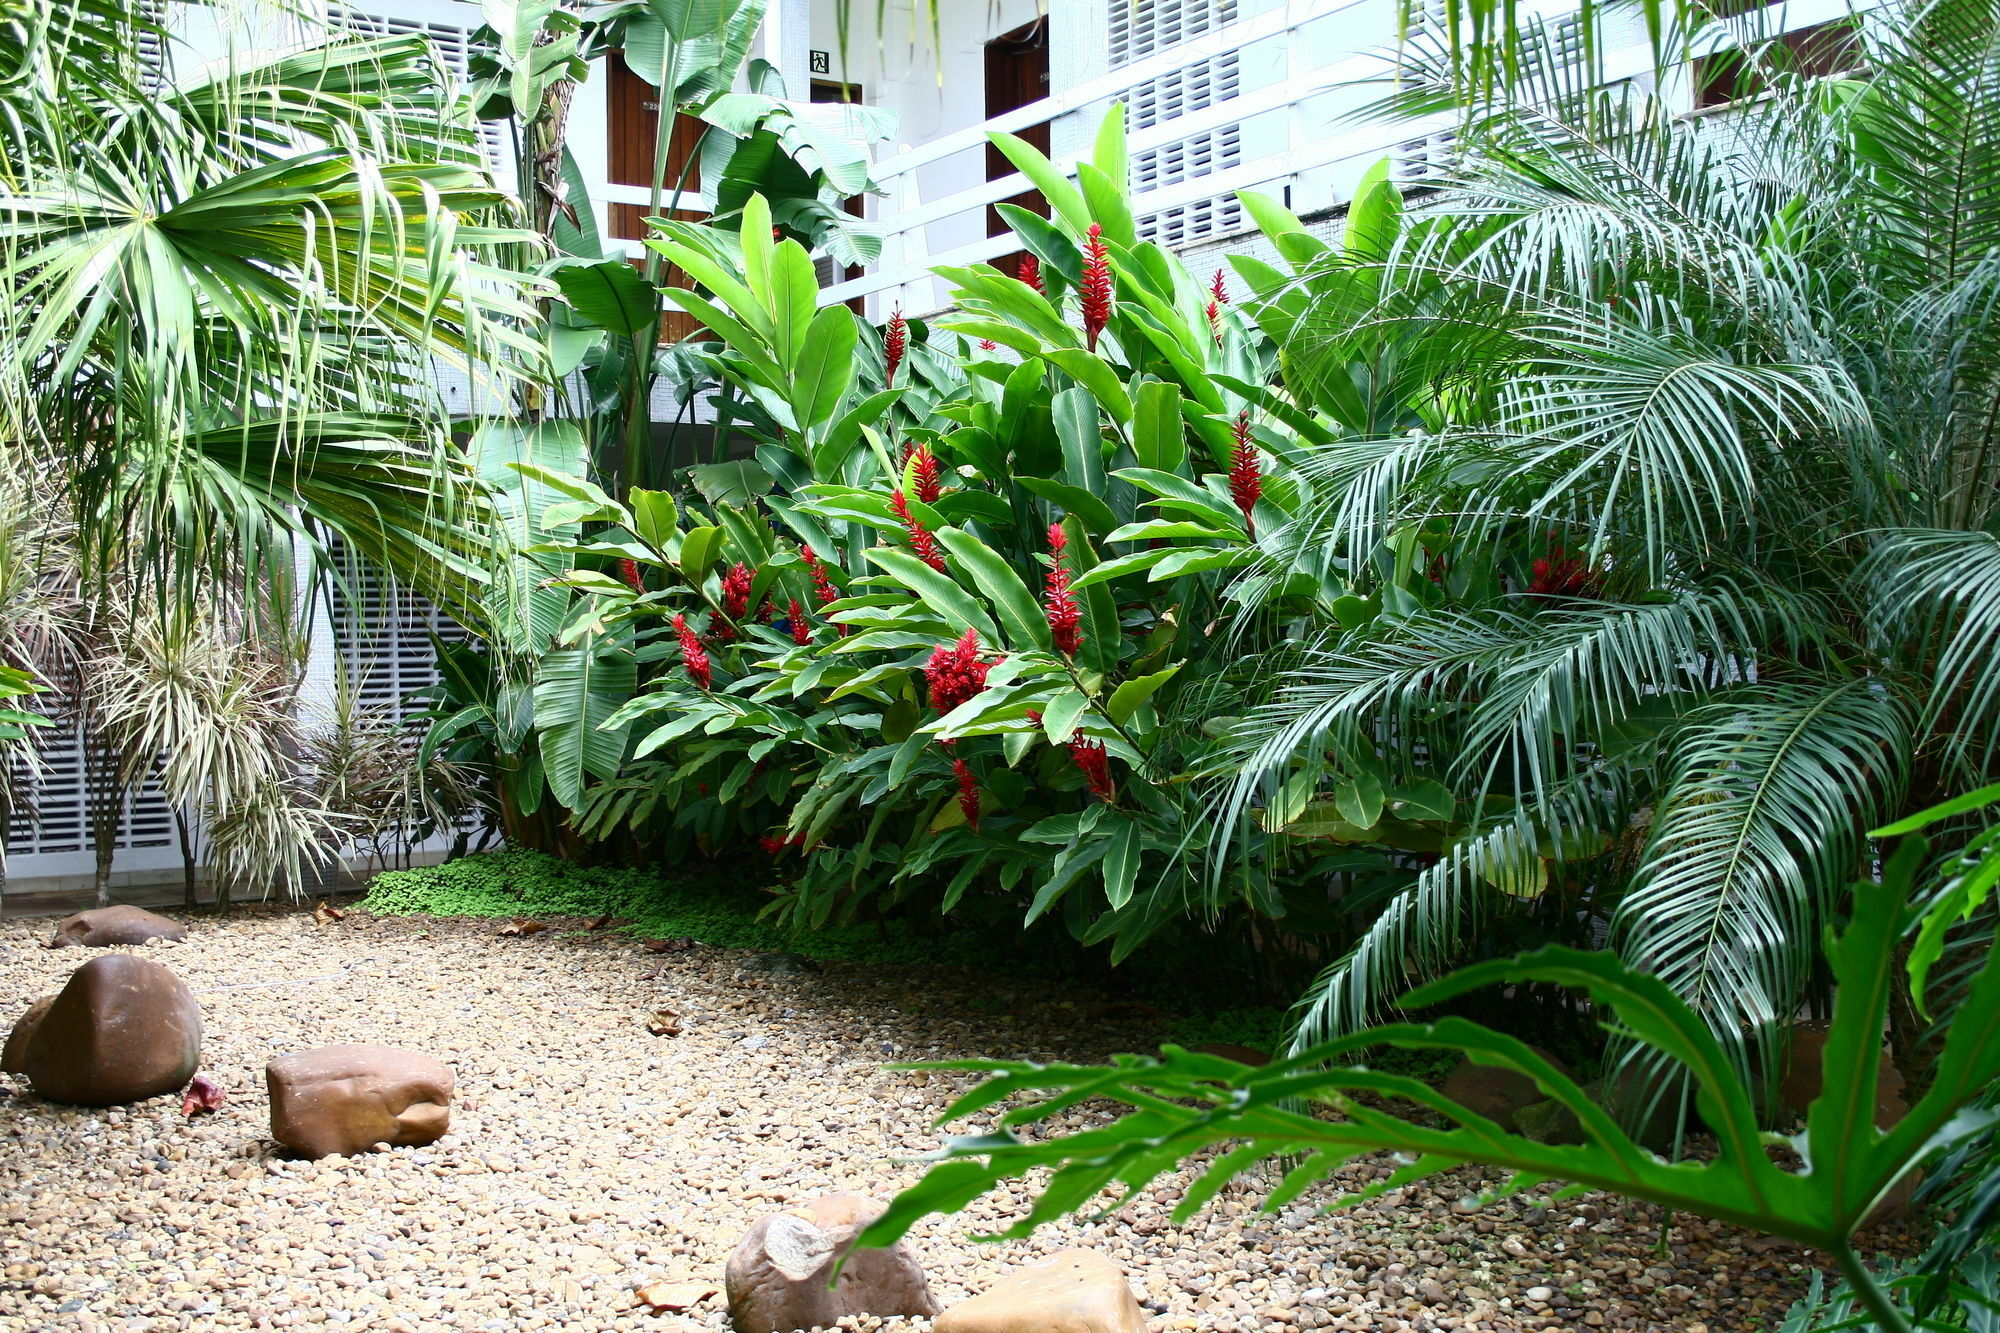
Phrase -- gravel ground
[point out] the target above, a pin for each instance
(588, 1157)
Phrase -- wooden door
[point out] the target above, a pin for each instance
(1017, 73)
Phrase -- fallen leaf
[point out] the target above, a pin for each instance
(600, 923)
(678, 944)
(203, 1094)
(522, 925)
(675, 1295)
(326, 915)
(664, 1023)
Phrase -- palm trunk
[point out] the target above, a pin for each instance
(187, 858)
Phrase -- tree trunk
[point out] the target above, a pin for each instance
(187, 859)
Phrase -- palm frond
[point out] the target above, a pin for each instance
(1771, 792)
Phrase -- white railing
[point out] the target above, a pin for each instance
(1333, 155)
(905, 218)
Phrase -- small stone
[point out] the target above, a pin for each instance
(1540, 1295)
(1513, 1248)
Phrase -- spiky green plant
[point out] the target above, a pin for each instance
(1731, 381)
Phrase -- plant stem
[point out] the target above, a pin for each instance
(1862, 1283)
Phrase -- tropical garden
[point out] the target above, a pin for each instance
(1580, 578)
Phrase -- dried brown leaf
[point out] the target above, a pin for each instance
(202, 1095)
(675, 1296)
(664, 1023)
(678, 944)
(522, 925)
(326, 915)
(600, 923)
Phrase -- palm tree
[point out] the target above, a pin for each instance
(229, 298)
(228, 295)
(1683, 534)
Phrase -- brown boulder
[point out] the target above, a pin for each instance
(347, 1099)
(123, 1029)
(1495, 1093)
(777, 1276)
(1801, 1083)
(101, 927)
(1073, 1291)
(14, 1060)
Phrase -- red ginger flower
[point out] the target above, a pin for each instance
(955, 673)
(1096, 286)
(926, 474)
(921, 542)
(968, 792)
(1029, 271)
(1095, 765)
(1562, 573)
(736, 590)
(1065, 617)
(895, 342)
(795, 620)
(988, 345)
(775, 844)
(823, 587)
(1218, 298)
(1246, 481)
(629, 570)
(693, 656)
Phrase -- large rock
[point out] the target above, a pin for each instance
(1494, 1093)
(14, 1060)
(122, 1029)
(347, 1099)
(777, 1276)
(1801, 1083)
(1073, 1291)
(103, 926)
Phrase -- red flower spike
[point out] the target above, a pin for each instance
(1065, 616)
(795, 620)
(629, 571)
(1096, 287)
(203, 1095)
(895, 342)
(693, 656)
(823, 587)
(736, 590)
(1246, 479)
(1029, 271)
(1218, 298)
(767, 612)
(1218, 289)
(988, 345)
(926, 474)
(922, 544)
(776, 844)
(1091, 760)
(968, 792)
(1562, 573)
(955, 673)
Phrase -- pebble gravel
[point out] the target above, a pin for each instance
(590, 1157)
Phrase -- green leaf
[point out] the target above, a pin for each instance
(1027, 624)
(1360, 800)
(1121, 864)
(610, 295)
(1096, 514)
(1127, 698)
(1095, 375)
(1158, 440)
(959, 608)
(576, 691)
(737, 482)
(1059, 719)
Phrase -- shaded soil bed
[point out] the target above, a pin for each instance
(589, 1157)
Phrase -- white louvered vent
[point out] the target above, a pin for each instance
(1191, 88)
(152, 51)
(1185, 159)
(1138, 28)
(453, 47)
(1172, 228)
(385, 640)
(1422, 161)
(1564, 39)
(55, 813)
